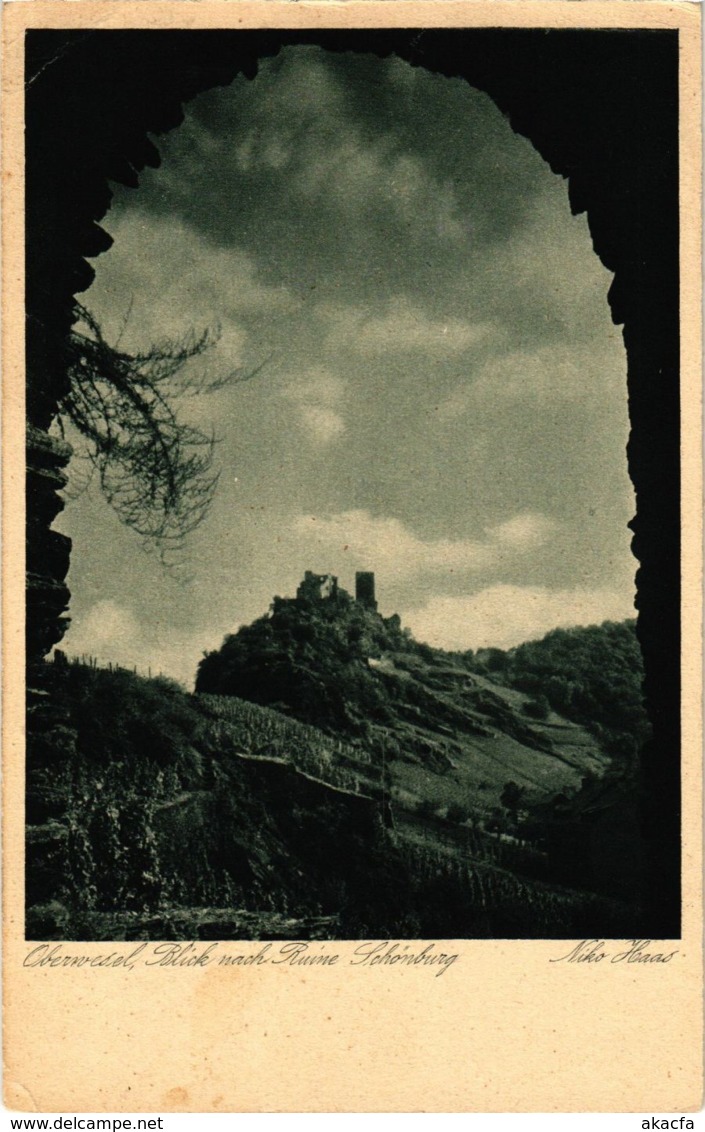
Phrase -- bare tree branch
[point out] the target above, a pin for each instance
(155, 470)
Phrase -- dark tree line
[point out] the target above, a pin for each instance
(593, 676)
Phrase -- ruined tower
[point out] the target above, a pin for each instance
(365, 589)
(317, 587)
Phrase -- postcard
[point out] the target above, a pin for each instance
(352, 556)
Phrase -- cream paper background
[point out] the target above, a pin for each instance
(503, 1029)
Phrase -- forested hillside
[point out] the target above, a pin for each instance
(169, 815)
(331, 777)
(591, 675)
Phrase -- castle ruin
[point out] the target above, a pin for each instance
(324, 587)
(365, 589)
(317, 587)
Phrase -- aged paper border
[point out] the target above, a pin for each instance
(504, 1030)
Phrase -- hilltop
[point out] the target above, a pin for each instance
(452, 729)
(332, 778)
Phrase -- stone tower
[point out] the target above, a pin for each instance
(365, 589)
(317, 587)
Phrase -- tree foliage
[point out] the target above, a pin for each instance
(308, 658)
(512, 796)
(538, 708)
(591, 675)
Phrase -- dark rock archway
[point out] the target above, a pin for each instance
(601, 107)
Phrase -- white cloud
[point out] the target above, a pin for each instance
(503, 616)
(357, 176)
(316, 397)
(548, 373)
(106, 626)
(548, 262)
(316, 385)
(180, 282)
(272, 152)
(324, 425)
(328, 156)
(456, 404)
(524, 531)
(112, 634)
(403, 327)
(360, 539)
(541, 378)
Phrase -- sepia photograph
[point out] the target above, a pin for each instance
(352, 484)
(352, 559)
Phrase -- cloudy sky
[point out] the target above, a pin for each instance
(443, 399)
